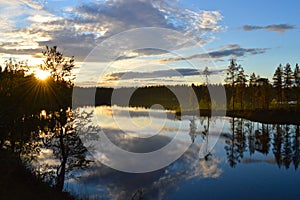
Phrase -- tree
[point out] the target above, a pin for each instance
(241, 85)
(297, 84)
(241, 77)
(22, 97)
(277, 82)
(206, 73)
(232, 146)
(13, 66)
(287, 76)
(63, 139)
(287, 81)
(297, 75)
(287, 147)
(231, 78)
(296, 147)
(232, 73)
(252, 79)
(277, 144)
(277, 78)
(59, 66)
(262, 139)
(252, 85)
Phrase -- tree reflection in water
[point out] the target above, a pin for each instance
(247, 136)
(58, 133)
(203, 134)
(50, 142)
(30, 137)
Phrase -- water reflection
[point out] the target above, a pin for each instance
(114, 184)
(50, 142)
(244, 142)
(247, 136)
(58, 134)
(46, 142)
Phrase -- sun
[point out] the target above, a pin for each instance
(42, 75)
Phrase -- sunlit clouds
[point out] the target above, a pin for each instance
(36, 23)
(77, 27)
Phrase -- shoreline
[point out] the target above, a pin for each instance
(263, 116)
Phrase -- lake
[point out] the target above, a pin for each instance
(213, 157)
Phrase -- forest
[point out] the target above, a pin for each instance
(252, 97)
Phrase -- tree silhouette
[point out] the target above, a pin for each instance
(240, 139)
(22, 99)
(252, 92)
(278, 82)
(287, 147)
(241, 85)
(59, 66)
(287, 76)
(231, 77)
(297, 75)
(232, 147)
(62, 138)
(206, 73)
(262, 139)
(277, 145)
(296, 147)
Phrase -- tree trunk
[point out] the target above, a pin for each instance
(61, 176)
(233, 98)
(62, 172)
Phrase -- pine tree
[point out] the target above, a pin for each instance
(297, 75)
(241, 84)
(252, 85)
(252, 79)
(287, 81)
(277, 82)
(231, 78)
(297, 83)
(277, 78)
(232, 73)
(287, 76)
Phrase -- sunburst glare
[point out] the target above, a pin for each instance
(42, 74)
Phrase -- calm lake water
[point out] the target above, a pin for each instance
(227, 158)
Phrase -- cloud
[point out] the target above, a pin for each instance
(273, 27)
(19, 34)
(141, 52)
(232, 46)
(157, 184)
(32, 4)
(78, 29)
(157, 74)
(232, 50)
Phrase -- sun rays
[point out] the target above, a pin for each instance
(42, 74)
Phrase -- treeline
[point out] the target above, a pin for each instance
(252, 93)
(242, 93)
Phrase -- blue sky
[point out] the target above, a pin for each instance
(259, 34)
(284, 47)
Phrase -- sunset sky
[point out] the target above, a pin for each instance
(259, 34)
